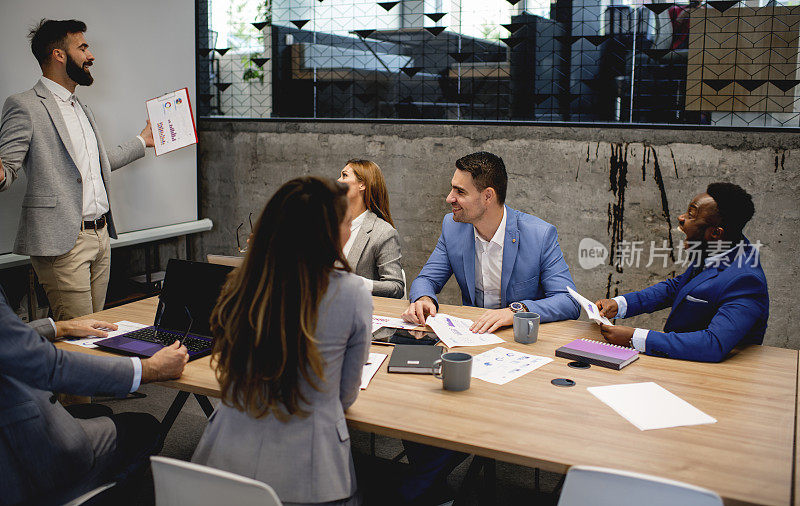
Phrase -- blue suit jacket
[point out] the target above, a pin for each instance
(43, 449)
(534, 271)
(711, 313)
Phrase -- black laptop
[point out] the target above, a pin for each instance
(188, 295)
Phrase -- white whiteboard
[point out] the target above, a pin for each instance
(142, 49)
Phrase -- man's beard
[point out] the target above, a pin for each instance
(468, 218)
(78, 74)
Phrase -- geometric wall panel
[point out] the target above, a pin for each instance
(744, 59)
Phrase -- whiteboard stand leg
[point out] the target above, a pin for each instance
(147, 272)
(152, 261)
(189, 252)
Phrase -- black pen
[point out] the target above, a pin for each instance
(159, 314)
(191, 320)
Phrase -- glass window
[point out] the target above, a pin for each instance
(718, 62)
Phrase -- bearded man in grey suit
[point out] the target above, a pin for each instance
(66, 222)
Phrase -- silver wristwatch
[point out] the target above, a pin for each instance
(518, 307)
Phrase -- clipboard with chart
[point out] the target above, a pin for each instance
(172, 121)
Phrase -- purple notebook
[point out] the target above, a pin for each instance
(598, 353)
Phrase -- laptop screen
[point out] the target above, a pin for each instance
(194, 286)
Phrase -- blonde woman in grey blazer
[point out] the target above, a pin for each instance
(288, 377)
(373, 250)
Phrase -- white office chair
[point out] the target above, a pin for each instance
(180, 483)
(91, 494)
(405, 285)
(225, 260)
(599, 486)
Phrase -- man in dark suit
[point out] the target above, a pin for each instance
(719, 302)
(47, 455)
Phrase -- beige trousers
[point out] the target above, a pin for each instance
(76, 282)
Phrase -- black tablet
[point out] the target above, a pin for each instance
(390, 336)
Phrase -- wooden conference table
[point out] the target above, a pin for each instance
(747, 456)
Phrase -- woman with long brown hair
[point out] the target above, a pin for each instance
(292, 336)
(373, 250)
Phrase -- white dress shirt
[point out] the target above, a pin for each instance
(355, 226)
(489, 266)
(639, 338)
(84, 145)
(137, 364)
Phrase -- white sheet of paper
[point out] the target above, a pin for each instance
(387, 321)
(370, 368)
(124, 327)
(172, 121)
(501, 365)
(454, 331)
(590, 307)
(650, 406)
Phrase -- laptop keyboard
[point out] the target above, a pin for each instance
(166, 338)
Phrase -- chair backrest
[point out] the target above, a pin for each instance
(225, 260)
(405, 284)
(90, 495)
(179, 483)
(598, 486)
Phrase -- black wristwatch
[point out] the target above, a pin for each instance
(518, 307)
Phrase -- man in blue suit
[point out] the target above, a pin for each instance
(718, 303)
(504, 260)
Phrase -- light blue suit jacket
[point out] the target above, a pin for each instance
(534, 271)
(712, 312)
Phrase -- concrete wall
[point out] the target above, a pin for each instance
(611, 185)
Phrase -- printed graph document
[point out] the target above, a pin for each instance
(370, 368)
(650, 406)
(454, 332)
(123, 327)
(172, 121)
(501, 365)
(590, 307)
(395, 323)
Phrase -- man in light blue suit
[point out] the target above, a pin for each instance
(719, 302)
(504, 260)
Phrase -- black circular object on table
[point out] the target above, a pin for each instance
(563, 382)
(579, 365)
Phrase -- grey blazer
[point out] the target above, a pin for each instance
(376, 255)
(43, 449)
(34, 136)
(306, 460)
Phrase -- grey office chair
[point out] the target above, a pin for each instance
(599, 486)
(180, 483)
